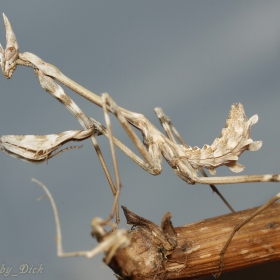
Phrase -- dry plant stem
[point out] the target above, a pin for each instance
(109, 243)
(197, 253)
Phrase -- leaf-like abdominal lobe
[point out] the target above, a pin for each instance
(233, 141)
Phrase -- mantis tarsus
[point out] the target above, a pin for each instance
(184, 160)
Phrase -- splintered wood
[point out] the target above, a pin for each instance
(198, 246)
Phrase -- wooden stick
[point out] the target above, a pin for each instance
(199, 244)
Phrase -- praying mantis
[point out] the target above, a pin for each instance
(184, 160)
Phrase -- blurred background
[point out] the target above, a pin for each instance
(192, 58)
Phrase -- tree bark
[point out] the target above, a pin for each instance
(196, 252)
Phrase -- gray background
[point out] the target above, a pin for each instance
(192, 58)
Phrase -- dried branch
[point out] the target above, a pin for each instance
(197, 252)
